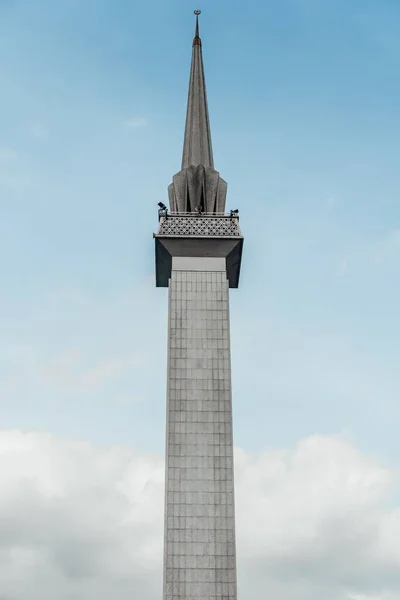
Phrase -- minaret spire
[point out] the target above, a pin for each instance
(197, 188)
(197, 36)
(197, 148)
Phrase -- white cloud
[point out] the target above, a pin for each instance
(7, 155)
(136, 123)
(97, 375)
(388, 248)
(59, 367)
(129, 400)
(79, 521)
(343, 267)
(331, 201)
(384, 596)
(314, 515)
(69, 369)
(40, 132)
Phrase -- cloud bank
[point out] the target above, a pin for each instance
(81, 521)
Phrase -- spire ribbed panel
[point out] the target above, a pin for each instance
(197, 149)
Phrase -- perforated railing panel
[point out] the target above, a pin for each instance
(199, 226)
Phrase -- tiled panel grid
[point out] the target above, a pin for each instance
(200, 555)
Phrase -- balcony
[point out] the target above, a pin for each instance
(198, 225)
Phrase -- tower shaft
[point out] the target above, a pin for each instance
(199, 555)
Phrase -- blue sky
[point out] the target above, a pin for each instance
(304, 99)
(304, 103)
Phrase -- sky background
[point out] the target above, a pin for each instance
(304, 100)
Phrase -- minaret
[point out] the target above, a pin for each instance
(198, 256)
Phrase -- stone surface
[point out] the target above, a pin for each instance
(207, 265)
(197, 147)
(199, 554)
(198, 186)
(201, 236)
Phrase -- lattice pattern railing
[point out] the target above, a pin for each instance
(199, 226)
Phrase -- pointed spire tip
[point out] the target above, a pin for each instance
(197, 40)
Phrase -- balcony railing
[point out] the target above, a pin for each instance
(199, 224)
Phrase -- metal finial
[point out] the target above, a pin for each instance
(197, 40)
